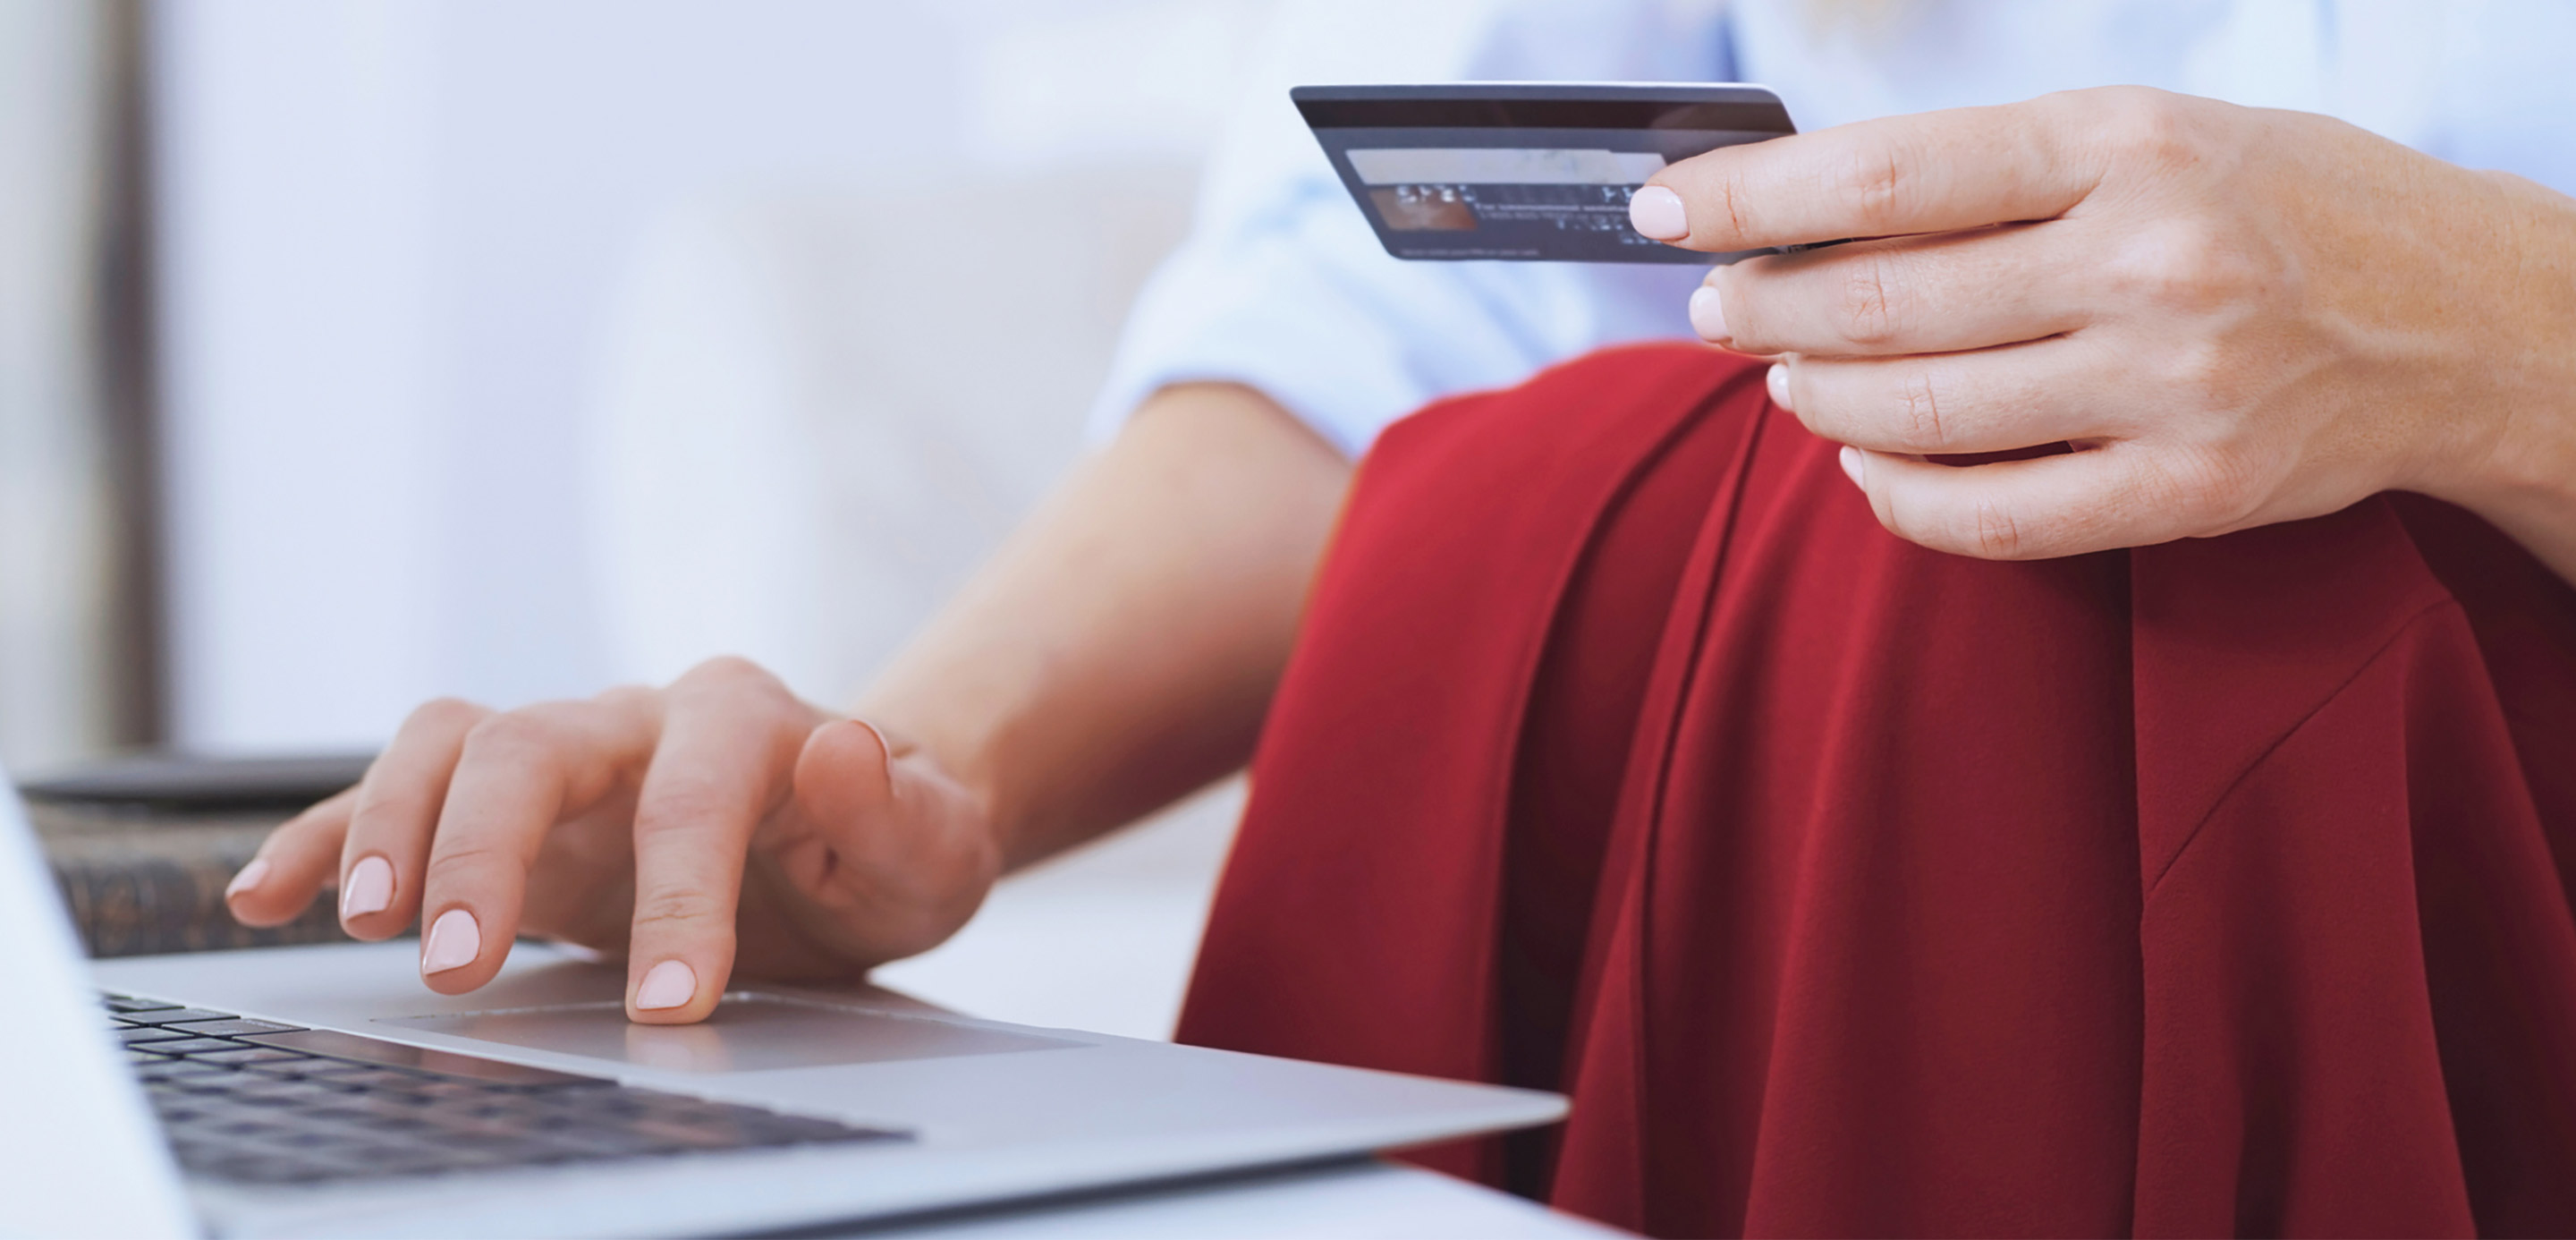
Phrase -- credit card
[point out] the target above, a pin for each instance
(1530, 172)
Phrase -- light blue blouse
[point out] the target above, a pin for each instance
(1282, 286)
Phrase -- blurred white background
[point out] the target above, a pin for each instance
(428, 264)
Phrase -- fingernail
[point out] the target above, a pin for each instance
(884, 746)
(1708, 315)
(1777, 380)
(1852, 464)
(251, 876)
(369, 889)
(670, 984)
(1657, 212)
(454, 941)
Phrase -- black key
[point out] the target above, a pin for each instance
(310, 1139)
(288, 1069)
(373, 1078)
(384, 1156)
(126, 1003)
(387, 1104)
(180, 1070)
(253, 1085)
(233, 1027)
(276, 1167)
(325, 1072)
(204, 1090)
(607, 1145)
(146, 1033)
(444, 1089)
(188, 1046)
(171, 1016)
(238, 1054)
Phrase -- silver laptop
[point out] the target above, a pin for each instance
(322, 1092)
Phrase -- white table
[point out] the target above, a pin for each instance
(1361, 1198)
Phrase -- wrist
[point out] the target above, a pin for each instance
(2518, 466)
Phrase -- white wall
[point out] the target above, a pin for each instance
(391, 231)
(55, 515)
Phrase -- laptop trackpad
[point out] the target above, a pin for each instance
(750, 1032)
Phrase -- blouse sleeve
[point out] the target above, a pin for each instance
(1282, 286)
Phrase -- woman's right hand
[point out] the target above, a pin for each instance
(720, 820)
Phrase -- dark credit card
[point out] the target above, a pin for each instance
(1525, 171)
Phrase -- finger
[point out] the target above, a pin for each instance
(292, 865)
(518, 775)
(396, 811)
(727, 757)
(845, 772)
(1991, 400)
(1935, 294)
(1898, 175)
(908, 888)
(2024, 510)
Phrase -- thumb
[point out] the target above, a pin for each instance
(845, 774)
(900, 855)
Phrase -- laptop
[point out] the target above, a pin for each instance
(321, 1091)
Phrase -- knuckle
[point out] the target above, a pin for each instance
(516, 735)
(2209, 488)
(2152, 126)
(628, 699)
(446, 714)
(1868, 311)
(1994, 532)
(732, 678)
(2199, 378)
(466, 861)
(1875, 186)
(1731, 197)
(1919, 407)
(680, 906)
(732, 670)
(2190, 266)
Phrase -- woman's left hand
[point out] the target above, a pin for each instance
(2235, 316)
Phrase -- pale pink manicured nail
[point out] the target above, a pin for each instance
(454, 941)
(251, 875)
(1657, 212)
(1852, 464)
(670, 984)
(1708, 315)
(1777, 380)
(369, 889)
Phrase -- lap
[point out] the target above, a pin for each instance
(1928, 892)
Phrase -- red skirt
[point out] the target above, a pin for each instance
(1852, 888)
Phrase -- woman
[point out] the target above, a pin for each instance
(1868, 842)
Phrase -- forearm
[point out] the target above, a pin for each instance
(1121, 649)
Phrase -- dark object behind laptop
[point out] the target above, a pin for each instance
(179, 783)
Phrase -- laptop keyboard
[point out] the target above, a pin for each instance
(262, 1103)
